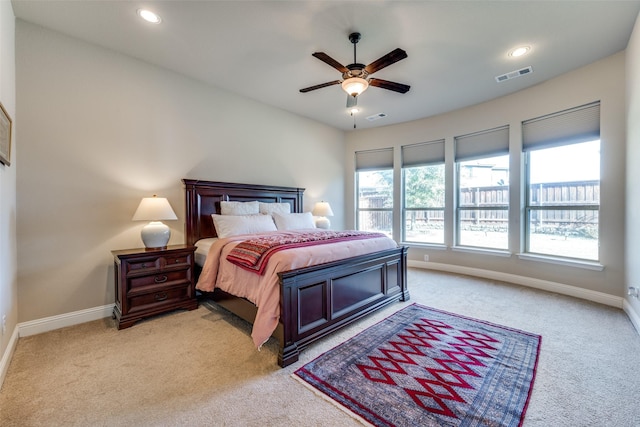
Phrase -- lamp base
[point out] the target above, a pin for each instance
(323, 222)
(155, 235)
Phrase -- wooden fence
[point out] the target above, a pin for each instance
(552, 195)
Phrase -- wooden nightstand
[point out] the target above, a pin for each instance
(153, 281)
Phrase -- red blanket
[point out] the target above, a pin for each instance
(253, 254)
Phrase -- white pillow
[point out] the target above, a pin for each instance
(239, 208)
(270, 208)
(294, 221)
(233, 225)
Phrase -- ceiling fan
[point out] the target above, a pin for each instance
(355, 77)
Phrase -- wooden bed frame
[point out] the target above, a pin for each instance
(316, 300)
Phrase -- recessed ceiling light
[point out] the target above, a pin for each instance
(149, 16)
(519, 51)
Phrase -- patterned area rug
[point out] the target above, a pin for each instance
(422, 366)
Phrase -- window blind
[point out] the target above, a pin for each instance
(488, 143)
(374, 159)
(580, 124)
(422, 154)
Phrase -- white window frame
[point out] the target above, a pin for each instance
(567, 127)
(373, 161)
(423, 154)
(485, 144)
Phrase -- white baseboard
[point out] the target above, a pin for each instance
(47, 324)
(633, 314)
(560, 288)
(8, 355)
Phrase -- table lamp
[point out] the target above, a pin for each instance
(322, 210)
(155, 209)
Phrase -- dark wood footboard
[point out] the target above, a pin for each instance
(317, 300)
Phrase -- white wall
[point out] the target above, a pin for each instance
(100, 130)
(632, 222)
(603, 80)
(8, 257)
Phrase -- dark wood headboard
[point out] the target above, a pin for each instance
(202, 198)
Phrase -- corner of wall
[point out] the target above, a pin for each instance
(632, 151)
(634, 315)
(8, 244)
(5, 361)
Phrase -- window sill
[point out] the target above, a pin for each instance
(588, 265)
(434, 246)
(482, 251)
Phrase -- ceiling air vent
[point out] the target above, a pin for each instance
(376, 117)
(514, 74)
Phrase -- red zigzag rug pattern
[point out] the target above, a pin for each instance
(422, 366)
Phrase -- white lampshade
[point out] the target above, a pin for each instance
(355, 86)
(155, 209)
(322, 210)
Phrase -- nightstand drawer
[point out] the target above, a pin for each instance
(167, 278)
(180, 260)
(143, 264)
(158, 298)
(150, 264)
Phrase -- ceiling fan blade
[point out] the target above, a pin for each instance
(320, 86)
(329, 60)
(352, 101)
(386, 84)
(390, 58)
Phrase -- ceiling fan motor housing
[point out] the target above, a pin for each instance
(355, 70)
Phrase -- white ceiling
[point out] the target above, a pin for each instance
(262, 49)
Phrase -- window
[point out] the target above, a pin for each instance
(482, 203)
(562, 155)
(374, 187)
(423, 192)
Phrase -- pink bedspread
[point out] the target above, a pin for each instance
(264, 290)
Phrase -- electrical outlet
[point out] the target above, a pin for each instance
(632, 292)
(4, 324)
(426, 258)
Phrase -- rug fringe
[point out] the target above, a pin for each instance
(330, 400)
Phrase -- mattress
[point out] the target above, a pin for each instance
(202, 249)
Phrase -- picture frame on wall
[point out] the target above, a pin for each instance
(5, 136)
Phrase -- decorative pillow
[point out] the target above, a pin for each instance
(294, 221)
(239, 208)
(233, 225)
(271, 208)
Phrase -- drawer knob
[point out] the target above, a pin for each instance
(160, 279)
(161, 296)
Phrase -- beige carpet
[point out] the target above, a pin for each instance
(199, 368)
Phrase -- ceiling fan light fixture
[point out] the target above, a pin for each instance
(354, 86)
